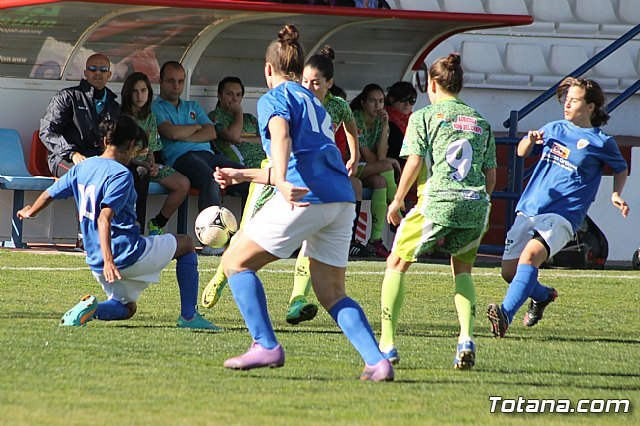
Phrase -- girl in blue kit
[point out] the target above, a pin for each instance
(122, 261)
(555, 202)
(314, 202)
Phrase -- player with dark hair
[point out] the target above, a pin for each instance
(237, 131)
(451, 152)
(376, 170)
(314, 202)
(317, 76)
(122, 261)
(137, 96)
(574, 152)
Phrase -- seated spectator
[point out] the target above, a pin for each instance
(401, 97)
(186, 133)
(376, 170)
(237, 131)
(137, 96)
(70, 127)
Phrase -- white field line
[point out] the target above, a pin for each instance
(415, 271)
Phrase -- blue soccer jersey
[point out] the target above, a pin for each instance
(566, 178)
(95, 183)
(315, 161)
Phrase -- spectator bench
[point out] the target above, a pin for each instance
(18, 177)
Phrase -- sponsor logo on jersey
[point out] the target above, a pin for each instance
(583, 143)
(465, 123)
(560, 151)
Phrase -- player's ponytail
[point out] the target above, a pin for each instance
(447, 72)
(285, 54)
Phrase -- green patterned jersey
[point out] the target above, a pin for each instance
(367, 138)
(248, 153)
(457, 145)
(149, 126)
(338, 109)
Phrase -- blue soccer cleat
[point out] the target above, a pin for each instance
(465, 355)
(392, 355)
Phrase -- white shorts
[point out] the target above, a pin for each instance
(280, 230)
(159, 251)
(554, 229)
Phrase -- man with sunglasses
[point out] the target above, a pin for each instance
(69, 128)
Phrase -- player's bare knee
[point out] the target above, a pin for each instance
(377, 182)
(329, 298)
(184, 185)
(507, 275)
(184, 245)
(387, 165)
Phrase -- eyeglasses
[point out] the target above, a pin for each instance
(95, 68)
(410, 101)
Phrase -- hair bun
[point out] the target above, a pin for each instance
(453, 60)
(289, 34)
(328, 51)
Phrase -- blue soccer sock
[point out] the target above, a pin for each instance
(111, 310)
(249, 295)
(519, 290)
(187, 274)
(352, 321)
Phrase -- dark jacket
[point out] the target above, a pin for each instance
(71, 123)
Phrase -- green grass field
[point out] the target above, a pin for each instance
(144, 371)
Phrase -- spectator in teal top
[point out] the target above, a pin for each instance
(186, 133)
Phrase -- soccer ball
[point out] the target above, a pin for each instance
(215, 226)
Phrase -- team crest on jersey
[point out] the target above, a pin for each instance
(560, 151)
(192, 114)
(583, 143)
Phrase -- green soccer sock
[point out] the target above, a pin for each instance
(301, 278)
(378, 212)
(392, 296)
(465, 301)
(391, 184)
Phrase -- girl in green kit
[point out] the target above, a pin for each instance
(450, 152)
(376, 171)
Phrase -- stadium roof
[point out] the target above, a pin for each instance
(215, 38)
